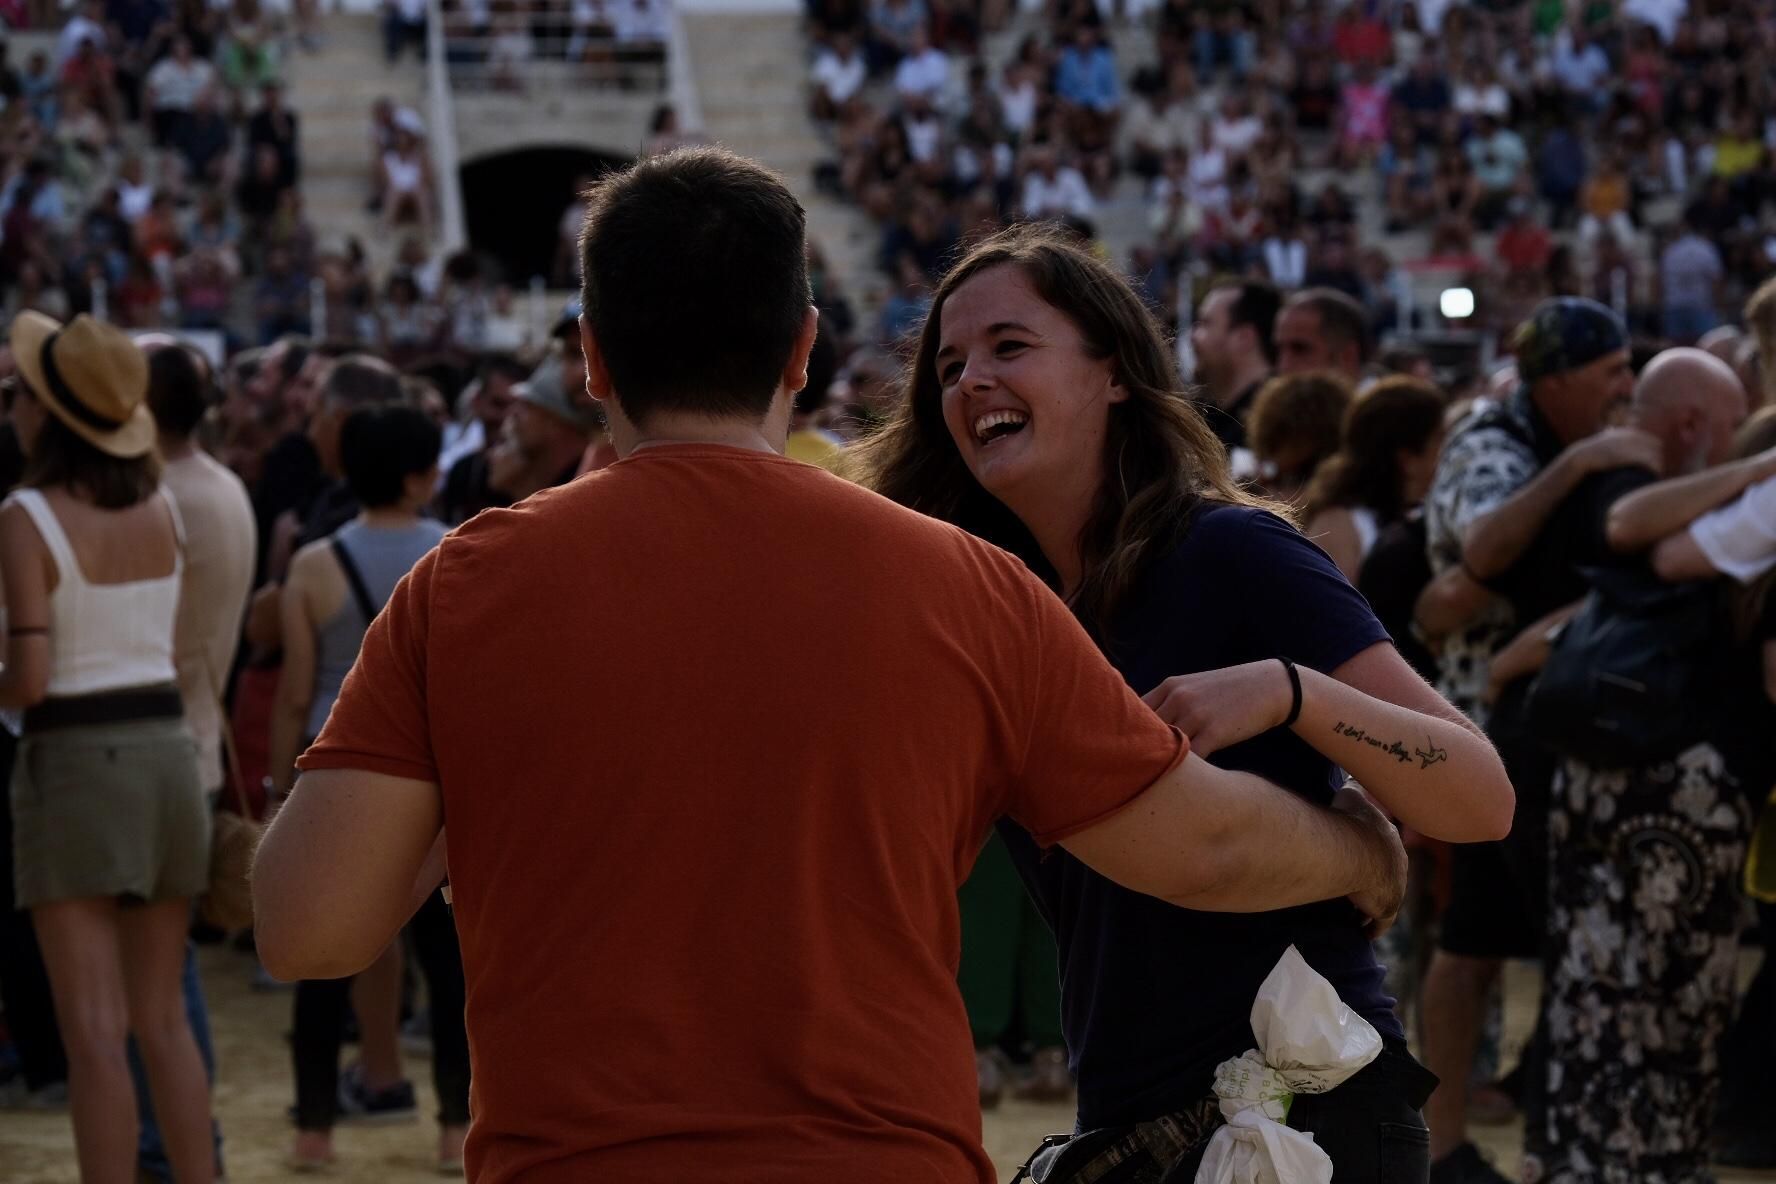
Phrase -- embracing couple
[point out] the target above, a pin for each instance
(706, 883)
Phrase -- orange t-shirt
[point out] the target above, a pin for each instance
(705, 876)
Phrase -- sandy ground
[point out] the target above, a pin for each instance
(254, 1090)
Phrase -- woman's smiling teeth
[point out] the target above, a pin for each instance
(996, 425)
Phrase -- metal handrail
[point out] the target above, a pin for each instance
(445, 150)
(681, 77)
(478, 59)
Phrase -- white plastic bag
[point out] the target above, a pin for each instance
(1308, 1042)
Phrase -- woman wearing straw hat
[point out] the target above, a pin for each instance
(111, 832)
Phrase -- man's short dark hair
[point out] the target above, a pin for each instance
(1255, 304)
(504, 364)
(295, 355)
(178, 389)
(1343, 321)
(380, 446)
(695, 282)
(362, 380)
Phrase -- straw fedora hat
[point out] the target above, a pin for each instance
(89, 375)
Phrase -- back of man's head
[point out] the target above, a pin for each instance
(695, 283)
(361, 380)
(1694, 403)
(1344, 324)
(1254, 304)
(178, 388)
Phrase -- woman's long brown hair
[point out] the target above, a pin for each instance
(1161, 461)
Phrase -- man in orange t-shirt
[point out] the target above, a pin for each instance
(707, 890)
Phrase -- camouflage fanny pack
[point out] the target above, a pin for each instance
(1145, 1153)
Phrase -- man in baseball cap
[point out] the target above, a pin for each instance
(1505, 477)
(546, 434)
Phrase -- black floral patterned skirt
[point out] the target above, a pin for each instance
(1644, 921)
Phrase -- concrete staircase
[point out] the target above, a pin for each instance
(751, 74)
(332, 92)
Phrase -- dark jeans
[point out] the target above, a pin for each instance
(24, 983)
(397, 33)
(150, 1153)
(433, 931)
(321, 1006)
(1370, 1127)
(1747, 1094)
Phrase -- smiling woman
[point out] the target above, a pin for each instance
(1043, 412)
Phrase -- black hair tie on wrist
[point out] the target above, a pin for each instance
(1294, 691)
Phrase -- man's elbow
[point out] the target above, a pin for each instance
(1479, 558)
(1200, 880)
(1619, 533)
(1493, 821)
(1678, 558)
(290, 955)
(295, 942)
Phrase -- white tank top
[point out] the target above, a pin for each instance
(403, 175)
(105, 637)
(1368, 529)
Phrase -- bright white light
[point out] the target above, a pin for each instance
(1456, 303)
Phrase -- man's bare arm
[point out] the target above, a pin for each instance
(1499, 538)
(1647, 515)
(1681, 558)
(1447, 603)
(335, 877)
(1209, 839)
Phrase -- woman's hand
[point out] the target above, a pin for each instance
(1219, 708)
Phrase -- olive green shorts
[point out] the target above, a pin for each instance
(109, 810)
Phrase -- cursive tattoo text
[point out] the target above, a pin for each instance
(1427, 756)
(1395, 749)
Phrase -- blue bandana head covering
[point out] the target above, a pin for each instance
(1564, 334)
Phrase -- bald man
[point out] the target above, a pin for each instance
(1693, 402)
(1689, 403)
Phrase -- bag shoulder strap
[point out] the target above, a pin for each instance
(360, 591)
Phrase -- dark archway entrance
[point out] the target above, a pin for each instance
(513, 203)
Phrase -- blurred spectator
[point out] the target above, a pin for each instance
(839, 75)
(894, 26)
(923, 70)
(1481, 93)
(544, 436)
(1386, 457)
(1690, 273)
(281, 298)
(490, 399)
(408, 187)
(1604, 202)
(1523, 246)
(1222, 38)
(1560, 171)
(1422, 98)
(204, 140)
(1231, 338)
(1498, 156)
(1363, 119)
(172, 90)
(1296, 425)
(403, 24)
(275, 126)
(1580, 65)
(1321, 329)
(1053, 189)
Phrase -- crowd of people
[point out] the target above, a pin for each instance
(1615, 150)
(152, 173)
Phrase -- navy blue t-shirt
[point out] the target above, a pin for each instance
(1155, 996)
